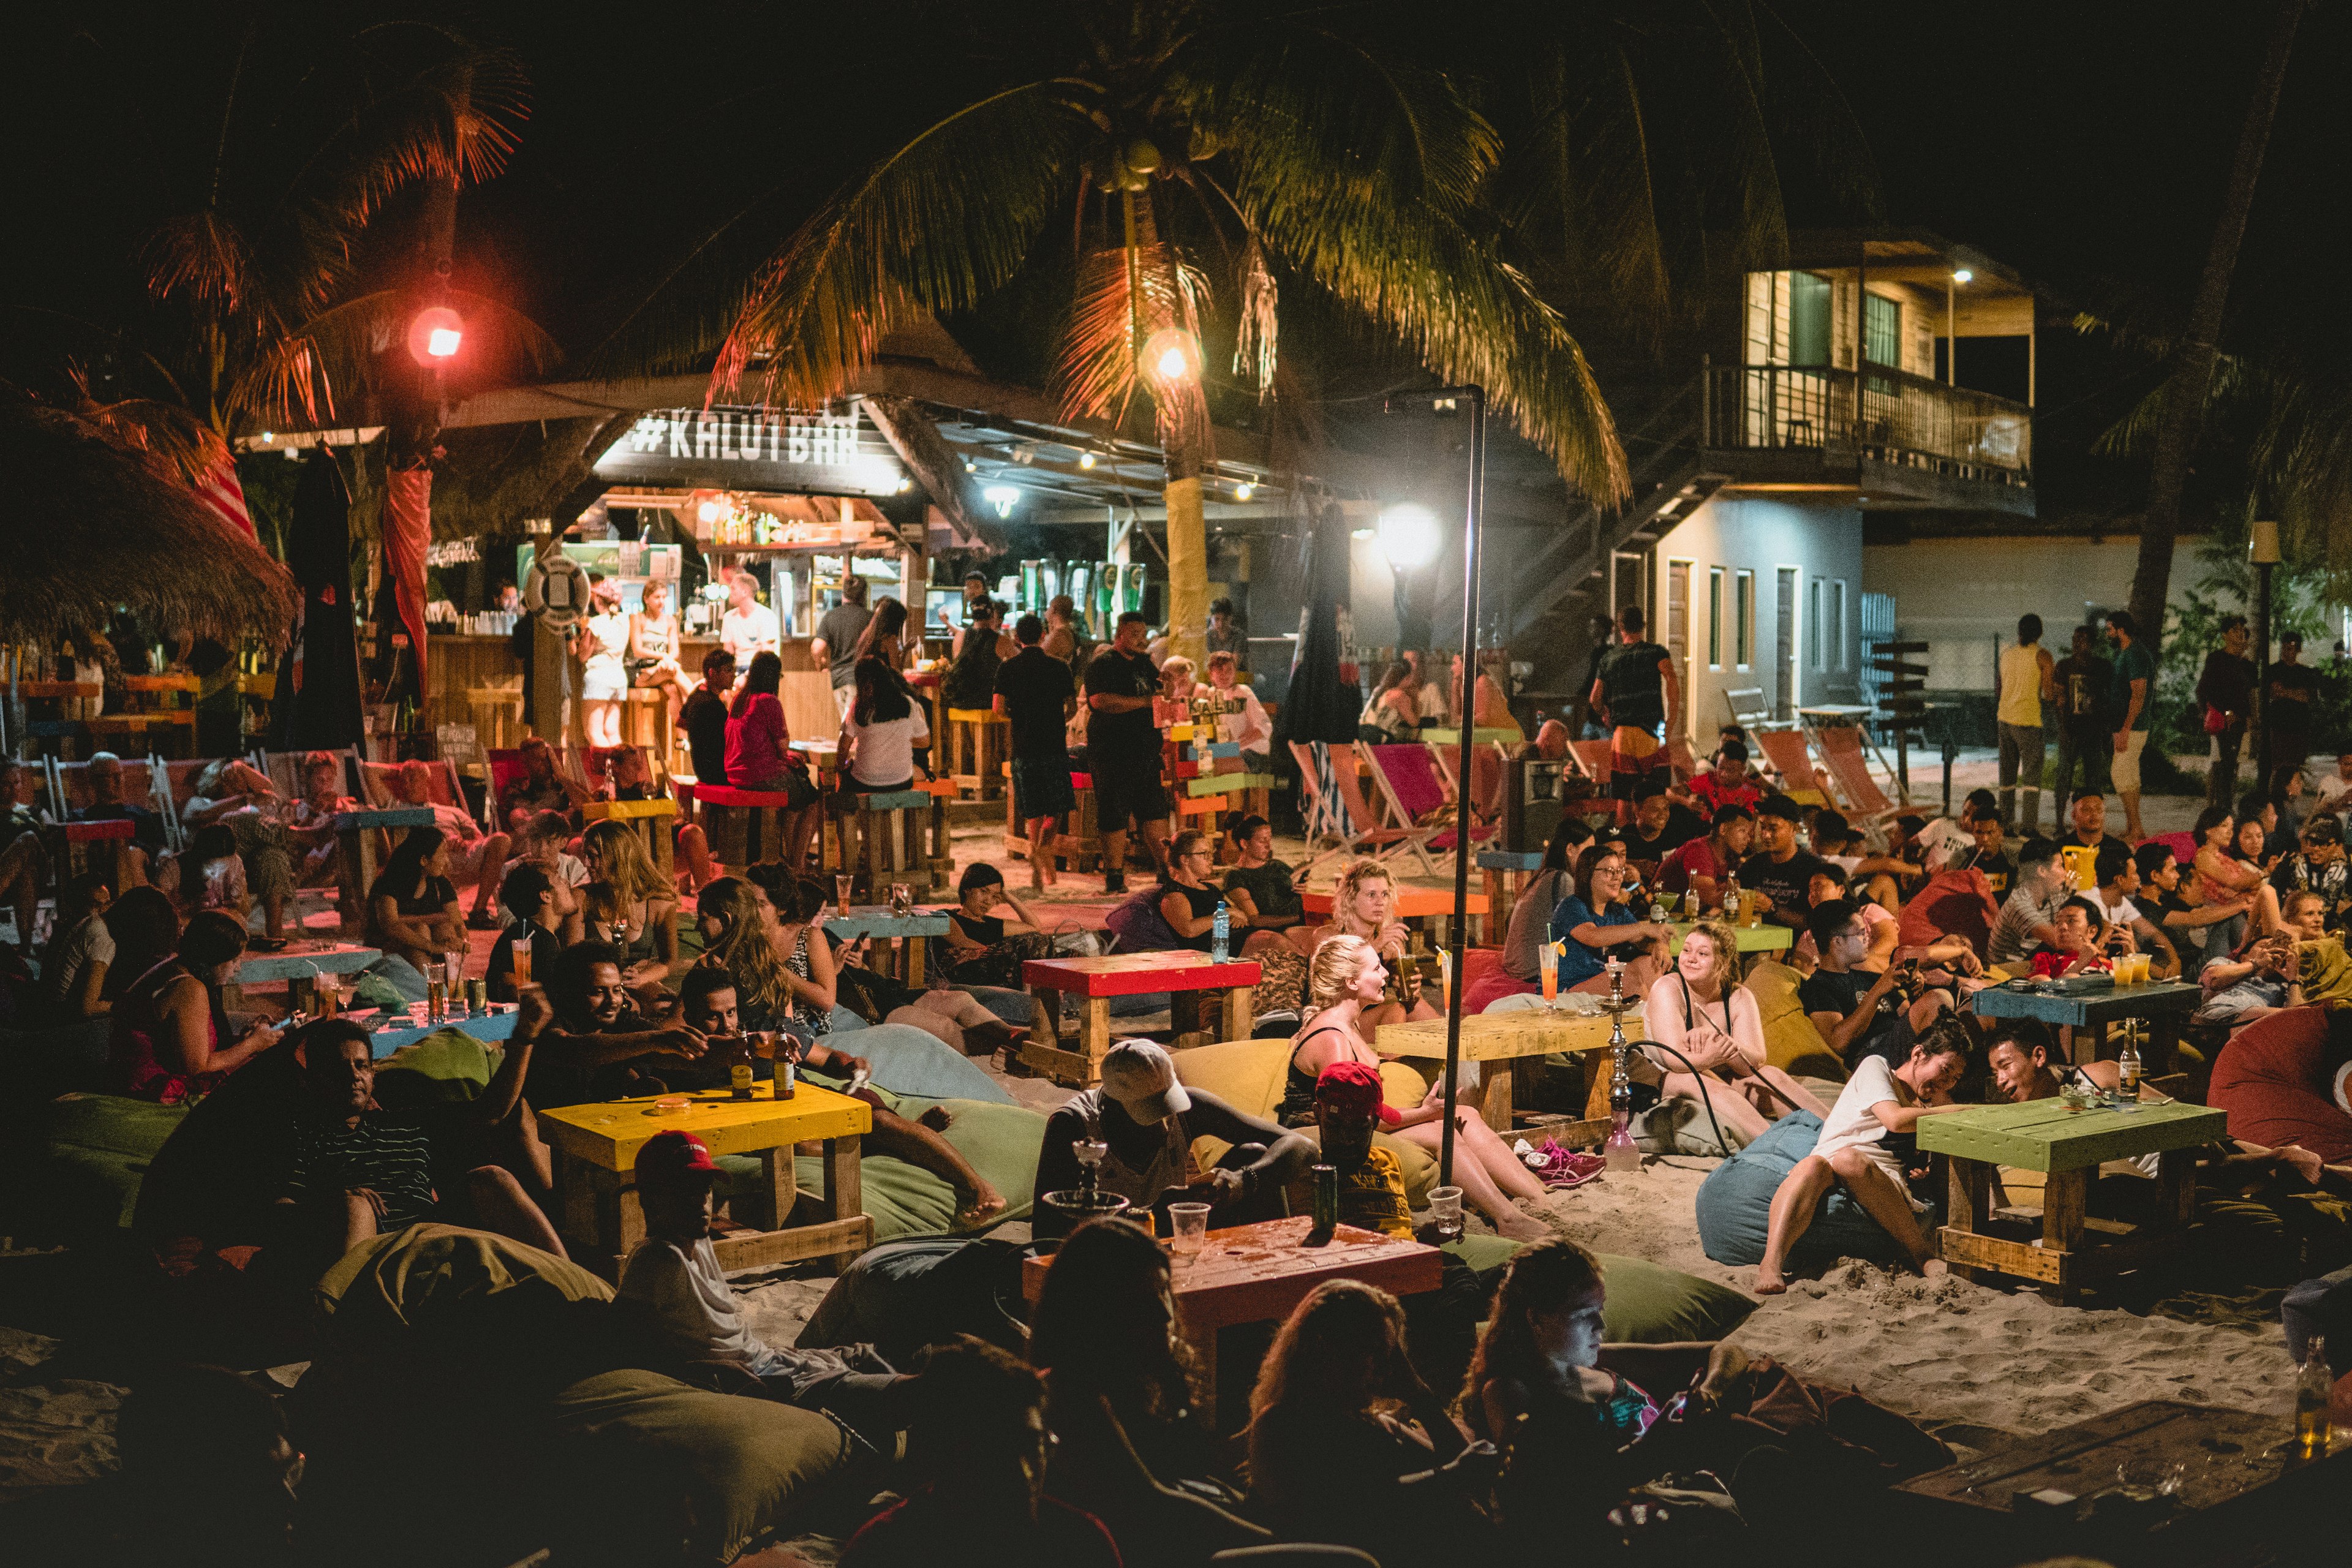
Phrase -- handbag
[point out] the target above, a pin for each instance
(2216, 721)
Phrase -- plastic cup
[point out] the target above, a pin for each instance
(521, 951)
(1446, 1212)
(1190, 1228)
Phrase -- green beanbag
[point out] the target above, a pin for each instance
(651, 1470)
(419, 1276)
(999, 1140)
(94, 1150)
(1649, 1304)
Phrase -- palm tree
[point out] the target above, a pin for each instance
(1178, 137)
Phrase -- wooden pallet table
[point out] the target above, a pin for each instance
(2070, 1145)
(1500, 1040)
(596, 1147)
(301, 964)
(360, 831)
(1197, 987)
(653, 819)
(1257, 1273)
(1747, 939)
(1410, 904)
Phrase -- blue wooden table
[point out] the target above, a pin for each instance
(499, 1024)
(2160, 1004)
(301, 964)
(362, 831)
(878, 920)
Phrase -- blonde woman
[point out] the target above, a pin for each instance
(628, 904)
(1345, 980)
(1362, 906)
(1699, 1009)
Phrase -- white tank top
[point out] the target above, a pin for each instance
(2021, 686)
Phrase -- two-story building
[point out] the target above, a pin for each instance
(1828, 390)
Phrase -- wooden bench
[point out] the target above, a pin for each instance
(743, 825)
(979, 742)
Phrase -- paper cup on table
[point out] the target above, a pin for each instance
(1189, 1229)
(1446, 1212)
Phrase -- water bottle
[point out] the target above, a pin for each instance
(1220, 933)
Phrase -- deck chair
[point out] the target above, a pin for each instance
(1685, 761)
(1406, 783)
(142, 785)
(1591, 759)
(1858, 793)
(1785, 749)
(381, 791)
(1751, 710)
(1338, 817)
(175, 788)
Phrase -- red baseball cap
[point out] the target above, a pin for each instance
(671, 1155)
(1351, 1087)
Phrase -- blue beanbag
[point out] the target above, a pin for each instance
(1735, 1206)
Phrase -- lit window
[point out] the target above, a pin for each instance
(1715, 618)
(1743, 641)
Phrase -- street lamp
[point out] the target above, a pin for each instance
(435, 336)
(1409, 536)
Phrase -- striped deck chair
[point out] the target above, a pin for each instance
(1331, 820)
(1785, 749)
(142, 785)
(1860, 798)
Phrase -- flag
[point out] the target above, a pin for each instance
(221, 492)
(407, 530)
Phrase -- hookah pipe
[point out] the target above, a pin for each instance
(1621, 1078)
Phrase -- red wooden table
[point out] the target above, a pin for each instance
(1256, 1273)
(1194, 983)
(1411, 904)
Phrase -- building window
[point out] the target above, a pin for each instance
(1882, 331)
(1837, 623)
(1814, 656)
(1743, 638)
(1715, 618)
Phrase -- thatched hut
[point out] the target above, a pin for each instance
(86, 525)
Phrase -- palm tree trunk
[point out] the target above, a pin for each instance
(2192, 376)
(1183, 427)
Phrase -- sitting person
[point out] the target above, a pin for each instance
(413, 906)
(2230, 866)
(1594, 923)
(1853, 1150)
(673, 1285)
(984, 948)
(546, 844)
(1339, 1420)
(1264, 892)
(235, 794)
(1148, 1121)
(1189, 902)
(542, 788)
(169, 1024)
(81, 951)
(1861, 1015)
(1520, 971)
(358, 1170)
(1701, 1011)
(1827, 885)
(103, 779)
(2086, 943)
(1728, 782)
(632, 778)
(2029, 916)
(627, 904)
(1700, 865)
(537, 932)
(311, 837)
(2118, 877)
(2318, 866)
(2263, 977)
(1361, 905)
(212, 874)
(1960, 901)
(1346, 979)
(598, 1048)
(709, 1003)
(145, 924)
(2196, 931)
(1119, 1397)
(759, 756)
(475, 857)
(24, 863)
(977, 1451)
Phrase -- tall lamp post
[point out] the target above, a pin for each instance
(1473, 510)
(2265, 551)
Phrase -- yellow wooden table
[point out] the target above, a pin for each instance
(1747, 939)
(1500, 1039)
(597, 1148)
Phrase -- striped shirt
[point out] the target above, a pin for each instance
(2012, 936)
(388, 1154)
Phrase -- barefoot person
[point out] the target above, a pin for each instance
(1700, 1010)
(1878, 1099)
(1345, 978)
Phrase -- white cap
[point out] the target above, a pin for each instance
(1142, 1077)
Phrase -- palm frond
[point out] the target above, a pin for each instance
(174, 441)
(935, 226)
(1257, 339)
(202, 253)
(1097, 373)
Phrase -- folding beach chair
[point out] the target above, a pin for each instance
(1785, 749)
(1750, 710)
(1406, 780)
(378, 780)
(1334, 820)
(142, 783)
(175, 786)
(1859, 796)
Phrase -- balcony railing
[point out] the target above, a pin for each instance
(1902, 418)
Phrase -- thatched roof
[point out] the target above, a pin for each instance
(86, 525)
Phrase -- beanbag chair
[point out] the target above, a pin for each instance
(999, 1140)
(1735, 1206)
(1650, 1304)
(84, 1175)
(1791, 1041)
(909, 1060)
(42, 1062)
(904, 1295)
(649, 1470)
(2287, 1078)
(425, 1273)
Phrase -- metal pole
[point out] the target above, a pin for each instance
(2261, 714)
(1471, 521)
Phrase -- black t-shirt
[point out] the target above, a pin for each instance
(544, 947)
(2303, 682)
(705, 718)
(1270, 888)
(1682, 825)
(842, 627)
(1787, 884)
(1128, 740)
(1204, 903)
(1631, 686)
(438, 894)
(1035, 686)
(1825, 991)
(1998, 869)
(2083, 692)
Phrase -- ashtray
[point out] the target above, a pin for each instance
(670, 1105)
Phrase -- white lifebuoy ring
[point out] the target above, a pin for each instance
(555, 589)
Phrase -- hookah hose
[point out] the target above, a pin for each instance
(1704, 1097)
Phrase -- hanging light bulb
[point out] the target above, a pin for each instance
(1243, 491)
(1170, 356)
(1086, 459)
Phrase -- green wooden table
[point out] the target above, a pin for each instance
(2069, 1146)
(2161, 1004)
(1747, 939)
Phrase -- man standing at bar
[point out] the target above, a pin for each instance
(837, 640)
(1123, 748)
(748, 626)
